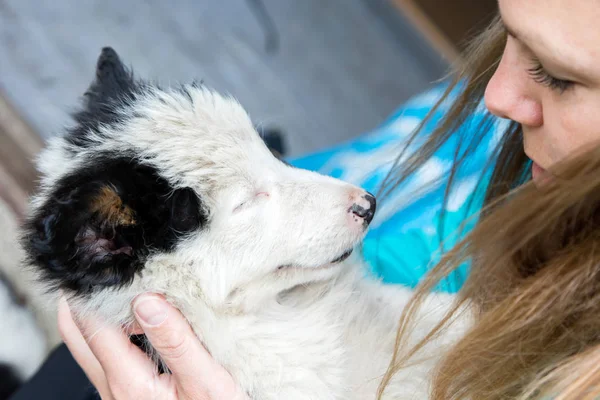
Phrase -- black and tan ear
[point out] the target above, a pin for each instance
(97, 228)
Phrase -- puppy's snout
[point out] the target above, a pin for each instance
(363, 207)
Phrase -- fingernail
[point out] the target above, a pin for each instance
(151, 311)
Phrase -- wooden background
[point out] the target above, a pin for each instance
(342, 65)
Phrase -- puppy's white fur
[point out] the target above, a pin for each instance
(311, 330)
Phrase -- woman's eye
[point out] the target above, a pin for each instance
(539, 75)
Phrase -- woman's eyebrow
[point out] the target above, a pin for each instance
(512, 31)
(515, 33)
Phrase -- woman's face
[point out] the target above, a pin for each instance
(549, 77)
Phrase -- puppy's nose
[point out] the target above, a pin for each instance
(364, 207)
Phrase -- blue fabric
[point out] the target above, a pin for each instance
(405, 238)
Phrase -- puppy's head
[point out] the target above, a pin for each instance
(181, 175)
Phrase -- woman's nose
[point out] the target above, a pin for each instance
(509, 94)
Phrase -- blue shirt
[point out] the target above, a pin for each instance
(408, 235)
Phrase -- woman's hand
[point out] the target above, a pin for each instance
(121, 371)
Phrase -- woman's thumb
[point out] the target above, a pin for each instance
(171, 336)
(195, 371)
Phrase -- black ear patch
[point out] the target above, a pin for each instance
(100, 224)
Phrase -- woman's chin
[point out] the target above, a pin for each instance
(539, 175)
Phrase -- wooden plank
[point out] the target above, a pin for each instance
(12, 194)
(459, 20)
(428, 29)
(15, 128)
(16, 161)
(19, 145)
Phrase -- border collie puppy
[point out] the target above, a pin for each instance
(173, 191)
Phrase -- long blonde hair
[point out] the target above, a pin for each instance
(534, 281)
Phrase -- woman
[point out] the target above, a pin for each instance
(534, 278)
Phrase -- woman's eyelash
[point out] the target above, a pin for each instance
(539, 74)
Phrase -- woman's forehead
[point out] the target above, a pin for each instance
(565, 33)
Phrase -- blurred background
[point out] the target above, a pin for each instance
(320, 71)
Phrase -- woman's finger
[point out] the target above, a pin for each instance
(193, 368)
(129, 373)
(80, 350)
